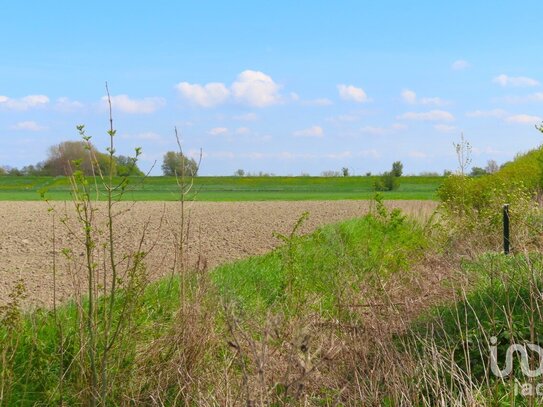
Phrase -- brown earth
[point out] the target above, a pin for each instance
(219, 232)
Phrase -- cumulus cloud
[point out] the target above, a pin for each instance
(125, 104)
(523, 119)
(28, 126)
(318, 102)
(209, 95)
(432, 115)
(534, 97)
(242, 130)
(410, 97)
(352, 93)
(314, 131)
(65, 104)
(255, 88)
(460, 65)
(496, 113)
(217, 131)
(24, 103)
(520, 81)
(444, 128)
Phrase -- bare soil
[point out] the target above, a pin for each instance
(32, 237)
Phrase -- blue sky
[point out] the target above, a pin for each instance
(283, 87)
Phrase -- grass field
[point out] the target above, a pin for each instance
(230, 188)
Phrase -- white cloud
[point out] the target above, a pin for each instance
(352, 93)
(242, 130)
(24, 103)
(217, 131)
(504, 80)
(523, 119)
(410, 97)
(255, 88)
(444, 128)
(433, 115)
(64, 104)
(246, 117)
(534, 97)
(497, 113)
(208, 95)
(294, 96)
(460, 65)
(28, 126)
(318, 102)
(314, 131)
(134, 106)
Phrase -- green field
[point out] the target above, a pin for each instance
(230, 188)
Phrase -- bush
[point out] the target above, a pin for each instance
(387, 182)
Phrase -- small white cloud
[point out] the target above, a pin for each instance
(352, 93)
(246, 117)
(242, 130)
(460, 65)
(318, 102)
(64, 104)
(497, 113)
(444, 128)
(433, 115)
(410, 97)
(294, 96)
(134, 106)
(28, 126)
(255, 88)
(24, 103)
(314, 131)
(217, 131)
(534, 97)
(520, 81)
(523, 119)
(208, 95)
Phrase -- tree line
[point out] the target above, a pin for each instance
(63, 158)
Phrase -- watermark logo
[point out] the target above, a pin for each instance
(525, 389)
(522, 351)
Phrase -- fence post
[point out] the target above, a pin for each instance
(506, 236)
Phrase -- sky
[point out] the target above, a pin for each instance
(284, 87)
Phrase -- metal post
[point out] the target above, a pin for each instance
(506, 241)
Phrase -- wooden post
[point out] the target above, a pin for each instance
(506, 235)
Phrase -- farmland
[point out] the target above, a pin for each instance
(230, 188)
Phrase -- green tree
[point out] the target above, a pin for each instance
(176, 163)
(63, 158)
(397, 169)
(477, 172)
(127, 166)
(345, 171)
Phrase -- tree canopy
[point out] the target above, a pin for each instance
(177, 164)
